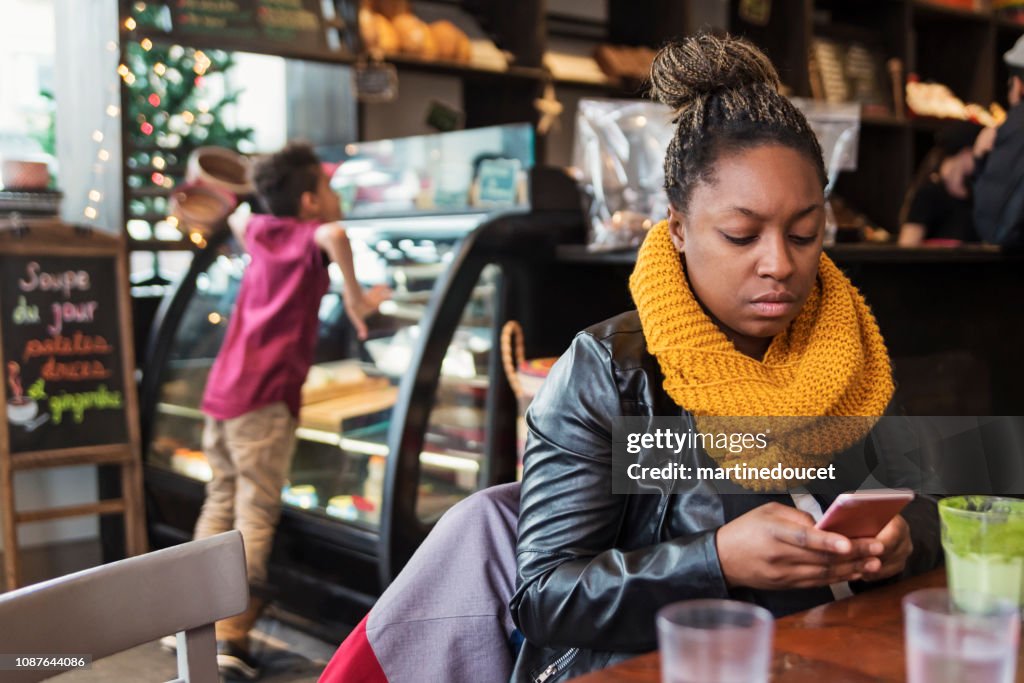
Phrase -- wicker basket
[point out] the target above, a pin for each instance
(524, 376)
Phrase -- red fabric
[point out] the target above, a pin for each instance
(273, 330)
(354, 661)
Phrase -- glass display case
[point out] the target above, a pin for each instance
(348, 397)
(394, 430)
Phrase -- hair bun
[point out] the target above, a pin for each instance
(704, 63)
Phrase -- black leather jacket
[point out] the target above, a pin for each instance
(593, 568)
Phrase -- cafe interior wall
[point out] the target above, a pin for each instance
(27, 42)
(278, 100)
(407, 114)
(88, 141)
(87, 93)
(26, 64)
(707, 14)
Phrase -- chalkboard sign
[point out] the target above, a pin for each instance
(256, 22)
(63, 369)
(68, 388)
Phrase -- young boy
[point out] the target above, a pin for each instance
(253, 390)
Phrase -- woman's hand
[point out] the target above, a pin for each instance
(895, 538)
(776, 547)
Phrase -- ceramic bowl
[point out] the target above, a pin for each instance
(221, 168)
(201, 207)
(25, 175)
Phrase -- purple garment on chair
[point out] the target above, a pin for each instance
(446, 615)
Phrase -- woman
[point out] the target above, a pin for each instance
(738, 313)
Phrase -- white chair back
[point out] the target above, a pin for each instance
(114, 607)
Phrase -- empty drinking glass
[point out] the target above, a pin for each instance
(714, 641)
(949, 644)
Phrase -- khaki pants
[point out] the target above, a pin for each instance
(250, 456)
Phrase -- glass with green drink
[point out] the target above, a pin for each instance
(983, 538)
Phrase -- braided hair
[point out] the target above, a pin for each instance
(725, 95)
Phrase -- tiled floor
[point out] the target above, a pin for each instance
(285, 655)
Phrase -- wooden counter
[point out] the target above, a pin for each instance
(848, 641)
(860, 252)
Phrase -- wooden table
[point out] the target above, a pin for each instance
(855, 640)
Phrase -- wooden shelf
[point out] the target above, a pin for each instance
(343, 58)
(844, 253)
(147, 169)
(149, 217)
(227, 44)
(923, 8)
(956, 46)
(1009, 26)
(160, 245)
(148, 191)
(153, 147)
(610, 89)
(884, 121)
(890, 253)
(578, 253)
(930, 124)
(327, 415)
(521, 73)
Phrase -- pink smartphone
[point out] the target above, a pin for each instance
(862, 514)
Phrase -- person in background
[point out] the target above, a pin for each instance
(938, 204)
(999, 174)
(253, 391)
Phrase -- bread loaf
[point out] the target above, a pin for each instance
(387, 37)
(465, 51)
(446, 36)
(412, 34)
(368, 29)
(429, 50)
(633, 63)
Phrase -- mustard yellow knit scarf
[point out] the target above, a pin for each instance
(830, 361)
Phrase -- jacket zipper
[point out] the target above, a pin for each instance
(558, 664)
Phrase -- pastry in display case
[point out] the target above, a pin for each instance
(409, 211)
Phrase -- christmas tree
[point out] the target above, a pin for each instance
(177, 97)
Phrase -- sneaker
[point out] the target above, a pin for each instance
(169, 643)
(234, 662)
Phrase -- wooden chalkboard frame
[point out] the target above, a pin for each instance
(48, 238)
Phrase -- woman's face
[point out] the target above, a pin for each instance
(752, 237)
